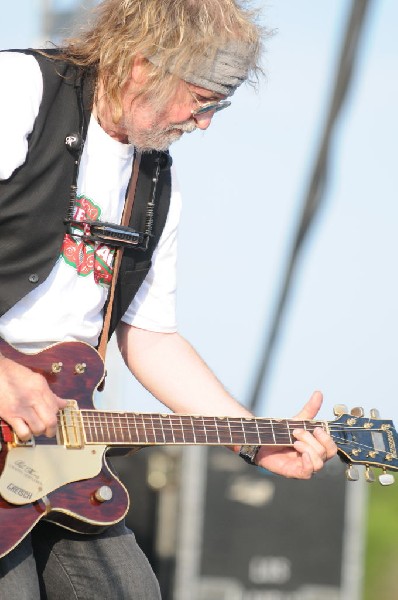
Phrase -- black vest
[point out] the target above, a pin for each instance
(34, 201)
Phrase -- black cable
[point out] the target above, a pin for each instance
(316, 189)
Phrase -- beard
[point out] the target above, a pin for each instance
(154, 138)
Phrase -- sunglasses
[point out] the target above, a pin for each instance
(212, 106)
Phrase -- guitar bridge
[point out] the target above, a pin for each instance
(70, 432)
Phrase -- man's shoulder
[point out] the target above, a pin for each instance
(21, 60)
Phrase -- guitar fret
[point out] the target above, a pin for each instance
(193, 431)
(273, 431)
(159, 429)
(136, 427)
(107, 428)
(129, 429)
(182, 430)
(279, 432)
(144, 429)
(119, 428)
(230, 431)
(205, 430)
(154, 428)
(258, 432)
(251, 431)
(223, 430)
(172, 429)
(217, 431)
(111, 425)
(163, 419)
(189, 435)
(198, 429)
(213, 430)
(125, 422)
(177, 429)
(164, 428)
(95, 436)
(168, 420)
(289, 433)
(94, 432)
(236, 432)
(150, 433)
(102, 431)
(244, 433)
(87, 431)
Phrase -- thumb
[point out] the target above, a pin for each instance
(311, 409)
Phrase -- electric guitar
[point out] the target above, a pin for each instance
(66, 479)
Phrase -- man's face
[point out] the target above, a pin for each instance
(149, 128)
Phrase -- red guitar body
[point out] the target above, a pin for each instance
(73, 506)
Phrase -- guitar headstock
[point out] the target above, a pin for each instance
(371, 441)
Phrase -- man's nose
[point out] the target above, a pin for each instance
(203, 121)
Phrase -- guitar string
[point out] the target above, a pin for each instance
(217, 422)
(281, 441)
(167, 420)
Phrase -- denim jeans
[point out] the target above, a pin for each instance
(52, 563)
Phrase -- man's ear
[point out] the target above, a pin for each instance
(139, 69)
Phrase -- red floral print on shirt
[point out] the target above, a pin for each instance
(85, 256)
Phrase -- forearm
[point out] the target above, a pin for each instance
(169, 367)
(174, 373)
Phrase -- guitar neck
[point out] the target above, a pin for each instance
(141, 429)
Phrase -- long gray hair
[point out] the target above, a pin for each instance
(177, 32)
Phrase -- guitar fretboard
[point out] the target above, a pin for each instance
(150, 429)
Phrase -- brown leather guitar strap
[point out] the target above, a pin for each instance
(128, 207)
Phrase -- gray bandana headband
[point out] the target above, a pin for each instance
(222, 72)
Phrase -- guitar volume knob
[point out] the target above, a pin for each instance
(103, 494)
(80, 368)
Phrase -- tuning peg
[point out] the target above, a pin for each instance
(369, 475)
(352, 473)
(357, 411)
(374, 413)
(340, 409)
(386, 478)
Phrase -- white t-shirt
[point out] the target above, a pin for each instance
(68, 304)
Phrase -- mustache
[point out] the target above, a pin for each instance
(185, 127)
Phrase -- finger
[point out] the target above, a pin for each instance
(311, 408)
(312, 442)
(319, 440)
(20, 428)
(61, 402)
(40, 413)
(47, 417)
(317, 461)
(318, 451)
(307, 468)
(28, 424)
(326, 441)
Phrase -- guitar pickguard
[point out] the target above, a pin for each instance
(33, 472)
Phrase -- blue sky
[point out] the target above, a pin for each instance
(243, 183)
